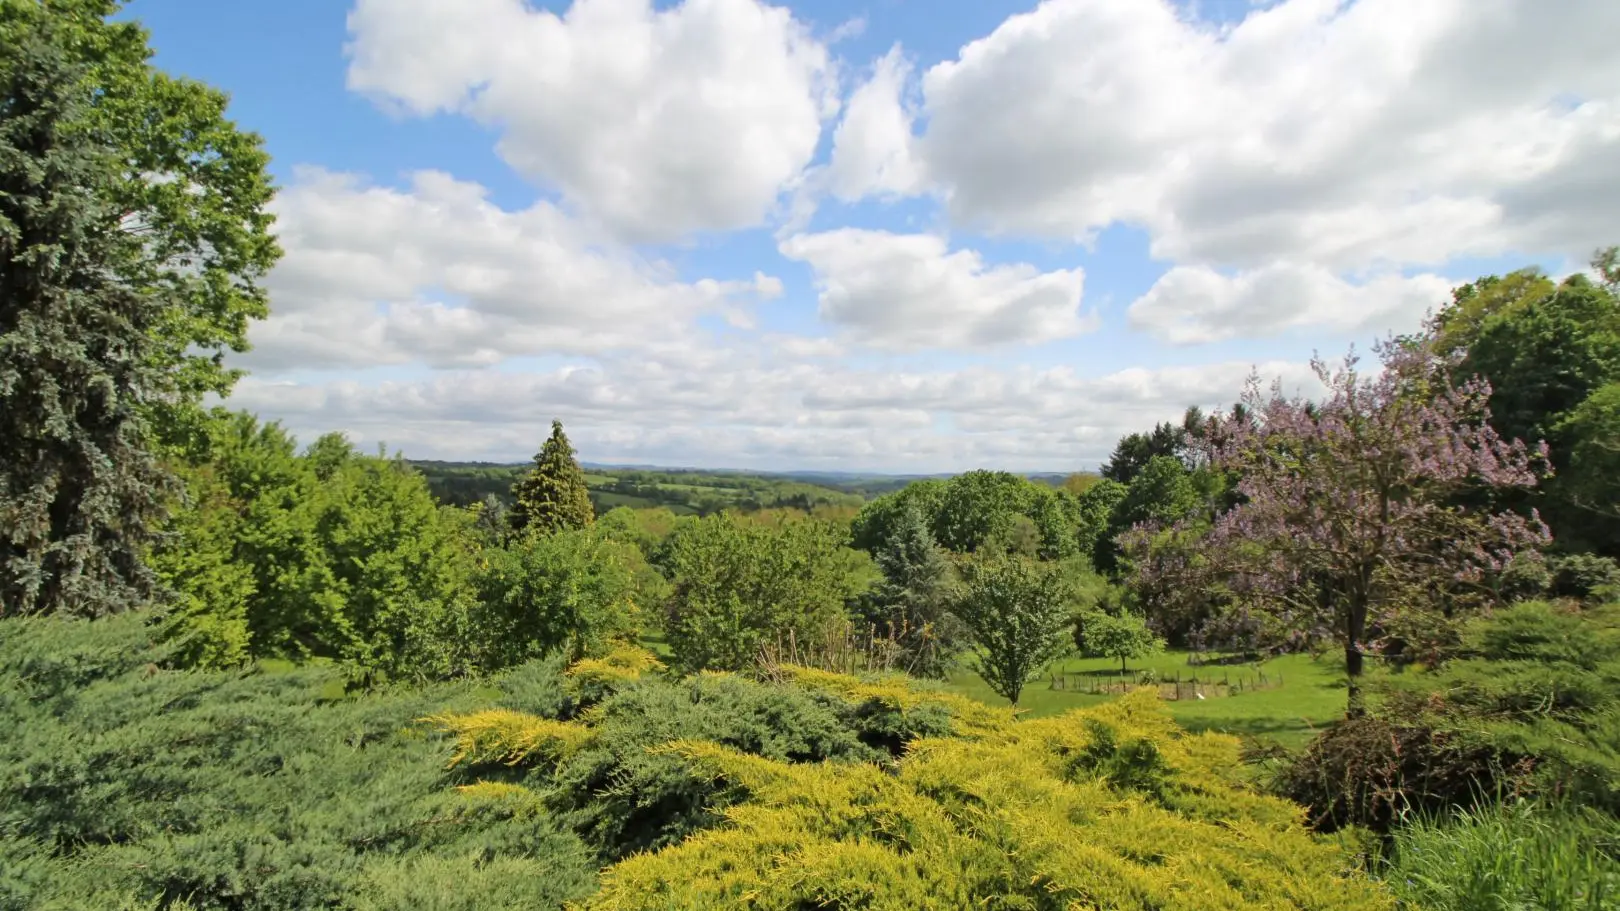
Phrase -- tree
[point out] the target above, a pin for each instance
(911, 603)
(1350, 520)
(981, 507)
(741, 586)
(1161, 492)
(1121, 636)
(1096, 505)
(1136, 450)
(330, 554)
(183, 183)
(79, 490)
(553, 495)
(1017, 609)
(571, 591)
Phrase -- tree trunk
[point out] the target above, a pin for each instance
(1355, 629)
(1122, 666)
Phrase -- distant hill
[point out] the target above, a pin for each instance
(683, 490)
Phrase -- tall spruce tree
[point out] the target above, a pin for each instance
(910, 606)
(78, 487)
(552, 496)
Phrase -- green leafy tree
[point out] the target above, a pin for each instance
(183, 184)
(572, 591)
(79, 489)
(741, 586)
(329, 554)
(1018, 610)
(1123, 636)
(877, 520)
(981, 508)
(1163, 491)
(552, 496)
(911, 603)
(1094, 507)
(1591, 480)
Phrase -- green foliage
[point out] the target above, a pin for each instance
(329, 554)
(910, 605)
(1506, 857)
(740, 586)
(1161, 491)
(1107, 808)
(79, 488)
(552, 496)
(1017, 611)
(1532, 705)
(980, 508)
(571, 591)
(1096, 507)
(877, 520)
(1124, 636)
(190, 188)
(126, 786)
(1547, 352)
(604, 774)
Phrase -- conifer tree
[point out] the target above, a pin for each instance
(910, 604)
(552, 496)
(78, 487)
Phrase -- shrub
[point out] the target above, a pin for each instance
(1531, 705)
(739, 586)
(125, 785)
(571, 591)
(1104, 808)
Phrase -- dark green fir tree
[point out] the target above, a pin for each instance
(79, 488)
(552, 497)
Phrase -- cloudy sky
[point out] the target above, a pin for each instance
(897, 235)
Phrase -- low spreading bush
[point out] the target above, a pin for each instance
(1531, 705)
(1105, 808)
(126, 785)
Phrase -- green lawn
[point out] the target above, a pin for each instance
(1311, 693)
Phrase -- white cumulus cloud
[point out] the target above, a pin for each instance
(913, 291)
(658, 122)
(1193, 304)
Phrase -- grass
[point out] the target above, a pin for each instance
(1311, 694)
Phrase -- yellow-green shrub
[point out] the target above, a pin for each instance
(1109, 808)
(513, 738)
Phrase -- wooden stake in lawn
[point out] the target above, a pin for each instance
(1350, 520)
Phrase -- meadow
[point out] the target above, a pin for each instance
(1288, 699)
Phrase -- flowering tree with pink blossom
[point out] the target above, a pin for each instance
(1351, 512)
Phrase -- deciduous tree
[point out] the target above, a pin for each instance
(1123, 636)
(1018, 611)
(1350, 519)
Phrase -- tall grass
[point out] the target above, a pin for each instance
(1515, 856)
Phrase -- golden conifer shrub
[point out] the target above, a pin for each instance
(1105, 809)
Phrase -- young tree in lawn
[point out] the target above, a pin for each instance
(552, 496)
(1350, 517)
(1017, 610)
(1124, 636)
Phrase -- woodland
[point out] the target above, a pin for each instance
(1354, 651)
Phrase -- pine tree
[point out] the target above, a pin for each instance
(79, 488)
(909, 606)
(552, 496)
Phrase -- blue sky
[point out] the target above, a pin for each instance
(887, 235)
